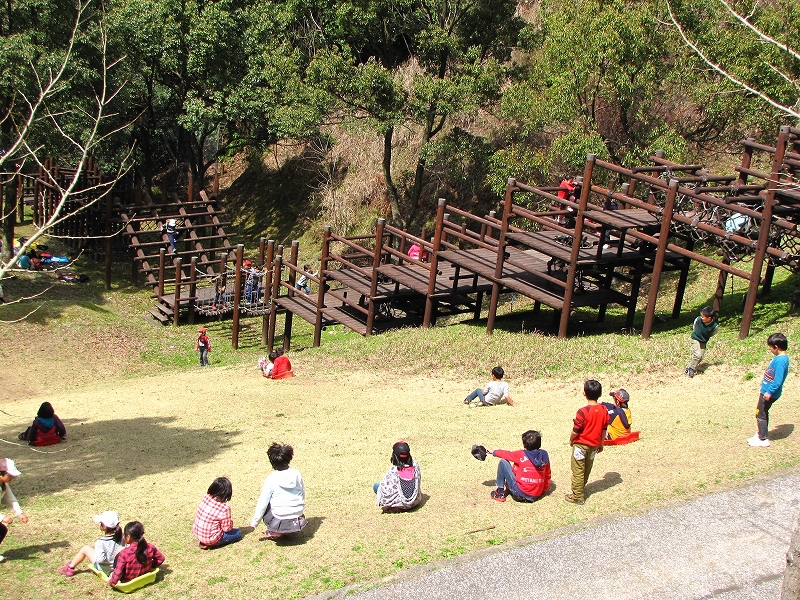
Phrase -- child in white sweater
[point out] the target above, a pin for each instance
(283, 498)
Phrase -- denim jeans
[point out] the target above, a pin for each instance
(228, 537)
(762, 416)
(203, 357)
(476, 394)
(505, 477)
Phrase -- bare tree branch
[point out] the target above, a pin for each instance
(764, 37)
(788, 111)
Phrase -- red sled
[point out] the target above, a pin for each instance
(633, 436)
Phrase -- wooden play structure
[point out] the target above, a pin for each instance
(598, 257)
(583, 244)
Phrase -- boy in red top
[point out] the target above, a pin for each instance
(525, 474)
(586, 439)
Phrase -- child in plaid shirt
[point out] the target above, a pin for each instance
(213, 525)
(137, 558)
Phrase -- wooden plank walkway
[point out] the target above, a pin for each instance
(449, 280)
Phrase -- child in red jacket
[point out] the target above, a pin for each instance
(203, 345)
(586, 439)
(524, 474)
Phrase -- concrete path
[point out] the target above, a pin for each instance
(728, 545)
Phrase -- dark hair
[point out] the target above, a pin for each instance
(116, 532)
(592, 389)
(532, 440)
(498, 372)
(221, 488)
(46, 411)
(272, 356)
(401, 455)
(708, 312)
(280, 456)
(306, 267)
(779, 341)
(279, 352)
(135, 530)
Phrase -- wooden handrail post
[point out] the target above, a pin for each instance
(237, 294)
(323, 266)
(192, 288)
(434, 262)
(176, 307)
(267, 289)
(511, 187)
(277, 265)
(373, 285)
(658, 265)
(288, 316)
(162, 267)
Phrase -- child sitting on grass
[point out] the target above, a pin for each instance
(283, 496)
(105, 549)
(46, 429)
(137, 558)
(494, 391)
(400, 488)
(213, 525)
(619, 415)
(524, 474)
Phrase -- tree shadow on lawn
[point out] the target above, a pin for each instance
(121, 449)
(781, 432)
(34, 552)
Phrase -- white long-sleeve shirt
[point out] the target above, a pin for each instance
(11, 499)
(283, 492)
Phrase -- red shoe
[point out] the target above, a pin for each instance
(67, 571)
(499, 495)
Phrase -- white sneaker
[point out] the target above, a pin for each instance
(755, 441)
(2, 558)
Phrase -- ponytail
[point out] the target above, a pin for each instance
(117, 533)
(135, 530)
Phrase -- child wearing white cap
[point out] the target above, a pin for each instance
(8, 471)
(105, 548)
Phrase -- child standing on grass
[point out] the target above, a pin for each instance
(400, 488)
(137, 558)
(524, 474)
(8, 471)
(586, 439)
(105, 549)
(494, 391)
(283, 496)
(703, 328)
(203, 346)
(213, 525)
(771, 387)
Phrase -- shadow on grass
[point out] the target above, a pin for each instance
(121, 449)
(608, 481)
(34, 552)
(295, 539)
(781, 432)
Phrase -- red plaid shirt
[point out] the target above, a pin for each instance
(213, 518)
(126, 567)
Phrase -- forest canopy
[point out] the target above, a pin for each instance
(458, 94)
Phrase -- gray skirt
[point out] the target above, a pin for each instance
(276, 525)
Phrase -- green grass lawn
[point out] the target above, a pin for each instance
(149, 431)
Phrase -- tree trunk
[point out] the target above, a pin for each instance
(391, 188)
(9, 217)
(791, 577)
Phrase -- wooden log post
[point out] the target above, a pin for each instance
(511, 187)
(162, 268)
(658, 265)
(277, 265)
(237, 295)
(430, 304)
(373, 285)
(288, 316)
(572, 269)
(267, 289)
(323, 266)
(176, 306)
(192, 289)
(763, 231)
